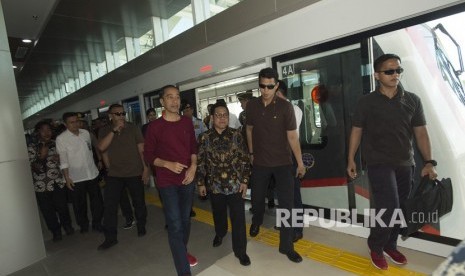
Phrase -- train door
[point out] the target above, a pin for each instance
(325, 86)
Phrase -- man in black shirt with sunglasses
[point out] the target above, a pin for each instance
(389, 118)
(272, 138)
(122, 146)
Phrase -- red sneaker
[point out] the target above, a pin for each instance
(395, 256)
(378, 260)
(192, 260)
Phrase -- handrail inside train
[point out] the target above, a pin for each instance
(449, 72)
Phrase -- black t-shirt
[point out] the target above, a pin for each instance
(269, 135)
(388, 126)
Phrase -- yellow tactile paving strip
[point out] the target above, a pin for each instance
(332, 256)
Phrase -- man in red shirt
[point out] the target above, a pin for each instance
(170, 146)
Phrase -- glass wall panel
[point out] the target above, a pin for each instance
(180, 22)
(147, 42)
(217, 6)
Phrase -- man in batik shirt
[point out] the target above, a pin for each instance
(224, 158)
(49, 182)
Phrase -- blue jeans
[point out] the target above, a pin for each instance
(177, 204)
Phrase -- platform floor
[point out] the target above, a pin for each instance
(325, 252)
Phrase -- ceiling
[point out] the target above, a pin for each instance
(69, 34)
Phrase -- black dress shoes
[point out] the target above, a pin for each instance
(141, 231)
(217, 241)
(57, 236)
(292, 256)
(97, 228)
(107, 244)
(297, 236)
(254, 230)
(69, 230)
(243, 259)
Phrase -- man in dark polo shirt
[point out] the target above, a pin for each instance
(389, 118)
(271, 135)
(123, 145)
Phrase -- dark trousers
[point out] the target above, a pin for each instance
(297, 194)
(235, 202)
(114, 187)
(177, 205)
(261, 177)
(125, 205)
(52, 204)
(79, 196)
(390, 185)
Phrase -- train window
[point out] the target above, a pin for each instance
(315, 86)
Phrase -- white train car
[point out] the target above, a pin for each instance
(331, 42)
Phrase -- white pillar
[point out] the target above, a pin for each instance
(21, 241)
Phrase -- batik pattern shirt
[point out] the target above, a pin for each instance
(46, 173)
(224, 160)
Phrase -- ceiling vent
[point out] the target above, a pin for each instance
(21, 52)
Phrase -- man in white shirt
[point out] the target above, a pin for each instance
(74, 146)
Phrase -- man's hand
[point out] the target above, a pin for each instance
(175, 167)
(119, 125)
(429, 170)
(70, 184)
(243, 189)
(300, 172)
(352, 169)
(146, 175)
(202, 190)
(190, 174)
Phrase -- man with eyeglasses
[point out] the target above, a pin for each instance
(171, 147)
(74, 147)
(389, 118)
(224, 158)
(122, 144)
(272, 139)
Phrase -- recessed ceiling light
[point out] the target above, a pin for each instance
(14, 66)
(27, 40)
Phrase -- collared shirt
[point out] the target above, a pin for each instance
(123, 151)
(269, 134)
(387, 125)
(46, 172)
(76, 155)
(224, 159)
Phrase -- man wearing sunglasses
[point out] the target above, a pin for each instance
(122, 144)
(389, 118)
(272, 139)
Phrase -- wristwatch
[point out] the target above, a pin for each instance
(432, 162)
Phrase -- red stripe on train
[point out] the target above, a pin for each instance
(362, 191)
(323, 182)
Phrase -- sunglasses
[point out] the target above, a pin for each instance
(269, 86)
(392, 71)
(119, 113)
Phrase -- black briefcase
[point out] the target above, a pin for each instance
(431, 200)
